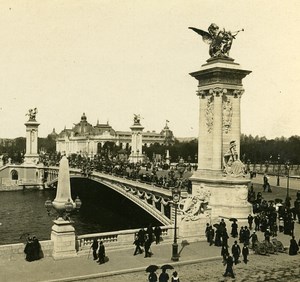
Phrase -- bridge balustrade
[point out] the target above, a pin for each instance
(117, 239)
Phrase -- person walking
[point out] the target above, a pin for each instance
(250, 221)
(147, 246)
(245, 253)
(94, 247)
(236, 252)
(229, 267)
(152, 277)
(254, 239)
(157, 233)
(294, 248)
(224, 252)
(175, 277)
(234, 229)
(101, 253)
(138, 249)
(164, 276)
(211, 235)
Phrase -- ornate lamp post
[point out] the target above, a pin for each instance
(267, 166)
(278, 170)
(63, 233)
(287, 167)
(176, 197)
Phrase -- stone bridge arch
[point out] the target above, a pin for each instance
(148, 198)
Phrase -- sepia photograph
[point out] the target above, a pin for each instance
(153, 140)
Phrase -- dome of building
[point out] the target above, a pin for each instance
(83, 127)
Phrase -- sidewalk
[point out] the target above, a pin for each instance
(294, 183)
(120, 261)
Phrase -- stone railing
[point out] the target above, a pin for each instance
(117, 239)
(14, 251)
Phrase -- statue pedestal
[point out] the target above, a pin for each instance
(63, 237)
(193, 230)
(31, 156)
(228, 196)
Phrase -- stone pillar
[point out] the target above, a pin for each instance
(63, 237)
(136, 142)
(219, 90)
(31, 155)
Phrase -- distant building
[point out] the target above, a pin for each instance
(89, 139)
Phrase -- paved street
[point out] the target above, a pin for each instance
(194, 264)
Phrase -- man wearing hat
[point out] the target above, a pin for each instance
(254, 239)
(236, 251)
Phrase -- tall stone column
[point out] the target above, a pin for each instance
(136, 141)
(31, 155)
(220, 172)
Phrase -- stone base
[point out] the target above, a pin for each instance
(228, 196)
(63, 237)
(31, 159)
(193, 231)
(134, 158)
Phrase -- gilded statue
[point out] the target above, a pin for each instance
(136, 119)
(219, 40)
(32, 114)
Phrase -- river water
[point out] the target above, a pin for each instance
(102, 210)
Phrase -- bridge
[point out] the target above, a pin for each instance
(154, 200)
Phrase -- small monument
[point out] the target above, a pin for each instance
(136, 140)
(31, 155)
(220, 174)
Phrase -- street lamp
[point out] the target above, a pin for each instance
(267, 166)
(278, 170)
(176, 197)
(287, 167)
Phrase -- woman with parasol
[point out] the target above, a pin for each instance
(164, 276)
(152, 277)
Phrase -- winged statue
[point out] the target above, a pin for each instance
(219, 40)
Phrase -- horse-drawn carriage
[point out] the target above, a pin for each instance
(265, 247)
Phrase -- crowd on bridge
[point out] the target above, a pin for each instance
(159, 174)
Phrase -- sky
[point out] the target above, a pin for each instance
(111, 59)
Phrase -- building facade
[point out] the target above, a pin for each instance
(90, 140)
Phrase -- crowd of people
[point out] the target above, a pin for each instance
(155, 173)
(264, 221)
(99, 251)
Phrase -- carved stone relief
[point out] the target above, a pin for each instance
(227, 115)
(209, 114)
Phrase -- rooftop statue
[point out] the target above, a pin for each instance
(219, 41)
(136, 119)
(32, 114)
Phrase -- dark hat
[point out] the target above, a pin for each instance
(175, 273)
